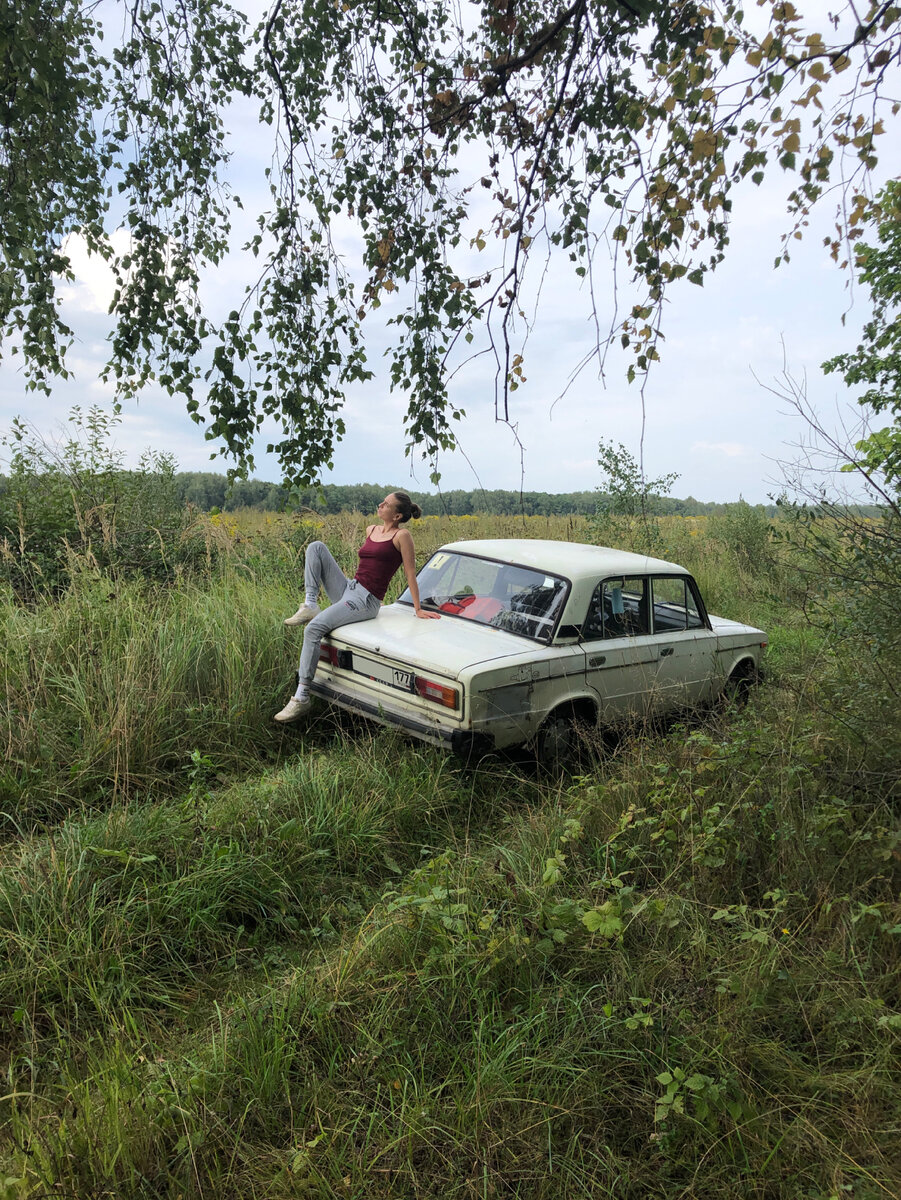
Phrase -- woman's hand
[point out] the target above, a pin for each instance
(405, 545)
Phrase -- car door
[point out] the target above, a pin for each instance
(620, 649)
(685, 645)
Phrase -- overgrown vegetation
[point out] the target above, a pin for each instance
(628, 504)
(71, 506)
(209, 492)
(324, 962)
(853, 564)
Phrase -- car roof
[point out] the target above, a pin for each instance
(574, 560)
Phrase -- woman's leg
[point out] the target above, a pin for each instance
(321, 570)
(356, 604)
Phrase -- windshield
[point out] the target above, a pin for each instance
(518, 599)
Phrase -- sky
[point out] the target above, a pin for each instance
(709, 411)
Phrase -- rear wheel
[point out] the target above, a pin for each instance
(561, 745)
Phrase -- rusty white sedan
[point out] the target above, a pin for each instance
(537, 638)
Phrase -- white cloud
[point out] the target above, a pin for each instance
(94, 285)
(729, 449)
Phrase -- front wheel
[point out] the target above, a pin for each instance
(738, 686)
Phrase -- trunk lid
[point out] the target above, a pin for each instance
(446, 646)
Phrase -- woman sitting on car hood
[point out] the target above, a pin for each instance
(387, 547)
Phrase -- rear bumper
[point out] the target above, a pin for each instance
(462, 742)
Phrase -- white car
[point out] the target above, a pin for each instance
(536, 638)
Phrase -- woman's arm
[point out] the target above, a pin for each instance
(404, 543)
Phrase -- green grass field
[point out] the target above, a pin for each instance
(247, 961)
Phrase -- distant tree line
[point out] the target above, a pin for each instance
(208, 491)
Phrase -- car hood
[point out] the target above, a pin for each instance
(724, 627)
(446, 646)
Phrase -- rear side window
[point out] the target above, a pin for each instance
(675, 605)
(618, 608)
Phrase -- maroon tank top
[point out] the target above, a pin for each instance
(378, 562)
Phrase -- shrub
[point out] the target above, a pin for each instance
(745, 532)
(74, 505)
(629, 504)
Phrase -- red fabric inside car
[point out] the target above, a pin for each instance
(482, 608)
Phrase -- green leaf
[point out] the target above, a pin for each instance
(603, 920)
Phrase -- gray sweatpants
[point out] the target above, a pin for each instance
(351, 602)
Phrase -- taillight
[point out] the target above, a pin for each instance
(438, 693)
(335, 657)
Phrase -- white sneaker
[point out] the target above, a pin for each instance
(294, 710)
(304, 614)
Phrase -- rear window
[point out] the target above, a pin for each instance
(675, 605)
(519, 600)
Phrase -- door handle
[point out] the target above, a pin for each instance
(597, 660)
(665, 653)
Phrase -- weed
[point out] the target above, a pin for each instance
(339, 966)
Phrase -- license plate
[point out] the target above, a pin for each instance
(379, 672)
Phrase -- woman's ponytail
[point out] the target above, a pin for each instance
(406, 507)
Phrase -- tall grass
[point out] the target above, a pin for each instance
(107, 691)
(241, 961)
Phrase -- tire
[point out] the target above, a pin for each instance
(559, 747)
(738, 686)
